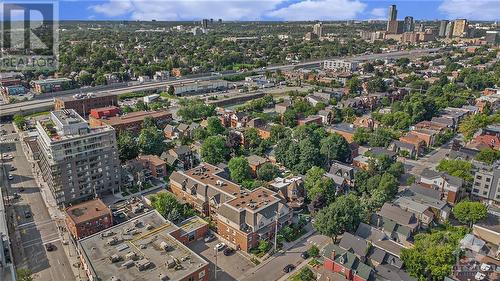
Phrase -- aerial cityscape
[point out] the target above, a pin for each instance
(250, 140)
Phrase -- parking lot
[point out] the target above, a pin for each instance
(229, 267)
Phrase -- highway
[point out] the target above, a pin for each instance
(42, 104)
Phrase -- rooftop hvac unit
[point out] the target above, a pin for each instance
(115, 258)
(127, 264)
(131, 256)
(114, 278)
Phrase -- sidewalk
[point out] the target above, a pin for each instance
(57, 216)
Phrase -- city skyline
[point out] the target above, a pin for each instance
(276, 10)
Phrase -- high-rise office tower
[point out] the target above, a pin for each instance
(409, 25)
(442, 28)
(460, 28)
(449, 30)
(318, 29)
(393, 13)
(392, 20)
(204, 23)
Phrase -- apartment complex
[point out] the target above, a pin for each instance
(243, 217)
(460, 28)
(146, 248)
(76, 161)
(340, 65)
(486, 181)
(84, 103)
(87, 218)
(252, 216)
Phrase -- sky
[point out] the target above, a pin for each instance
(288, 10)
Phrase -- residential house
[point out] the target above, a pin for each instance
(397, 223)
(343, 170)
(427, 135)
(421, 211)
(312, 119)
(414, 140)
(327, 116)
(344, 129)
(431, 126)
(181, 157)
(239, 120)
(428, 197)
(362, 162)
(450, 187)
(290, 188)
(450, 123)
(484, 141)
(170, 132)
(366, 122)
(251, 216)
(283, 106)
(255, 163)
(346, 264)
(154, 164)
(403, 148)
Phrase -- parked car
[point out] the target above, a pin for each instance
(27, 214)
(219, 247)
(228, 251)
(11, 177)
(304, 255)
(288, 268)
(209, 237)
(12, 168)
(50, 247)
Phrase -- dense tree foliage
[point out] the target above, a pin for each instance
(213, 150)
(168, 206)
(470, 212)
(456, 167)
(239, 169)
(127, 146)
(268, 172)
(488, 155)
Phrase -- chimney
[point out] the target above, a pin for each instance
(333, 255)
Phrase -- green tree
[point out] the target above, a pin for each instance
(24, 274)
(470, 212)
(239, 169)
(344, 214)
(168, 206)
(213, 150)
(488, 155)
(127, 146)
(456, 167)
(279, 132)
(316, 184)
(214, 126)
(335, 147)
(264, 246)
(171, 90)
(251, 137)
(268, 172)
(388, 184)
(381, 137)
(313, 251)
(151, 141)
(361, 136)
(19, 121)
(305, 274)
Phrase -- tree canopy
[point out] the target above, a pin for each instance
(213, 150)
(239, 169)
(470, 212)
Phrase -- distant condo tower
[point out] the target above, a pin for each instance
(393, 13)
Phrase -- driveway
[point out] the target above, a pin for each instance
(229, 267)
(273, 269)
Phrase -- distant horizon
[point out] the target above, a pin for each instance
(274, 10)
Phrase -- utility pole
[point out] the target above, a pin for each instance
(276, 232)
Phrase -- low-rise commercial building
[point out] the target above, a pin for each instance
(76, 161)
(84, 103)
(200, 87)
(87, 218)
(340, 65)
(131, 121)
(52, 85)
(145, 248)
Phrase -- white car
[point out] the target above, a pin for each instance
(219, 247)
(11, 177)
(7, 156)
(485, 267)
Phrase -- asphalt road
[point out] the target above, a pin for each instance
(273, 270)
(30, 235)
(47, 103)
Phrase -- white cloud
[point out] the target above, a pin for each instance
(230, 10)
(378, 12)
(187, 9)
(471, 9)
(320, 10)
